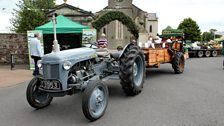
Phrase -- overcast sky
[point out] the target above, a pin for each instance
(207, 13)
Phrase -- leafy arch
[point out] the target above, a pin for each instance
(116, 15)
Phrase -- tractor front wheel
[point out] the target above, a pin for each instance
(178, 63)
(95, 100)
(36, 98)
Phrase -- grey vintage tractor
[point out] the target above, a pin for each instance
(86, 70)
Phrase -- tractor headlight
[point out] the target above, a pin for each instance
(39, 63)
(67, 65)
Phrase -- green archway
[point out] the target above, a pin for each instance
(116, 15)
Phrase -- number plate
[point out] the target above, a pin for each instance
(50, 84)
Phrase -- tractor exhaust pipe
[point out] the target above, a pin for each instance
(56, 46)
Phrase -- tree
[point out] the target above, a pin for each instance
(191, 29)
(168, 27)
(30, 14)
(207, 36)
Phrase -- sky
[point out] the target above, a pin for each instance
(207, 13)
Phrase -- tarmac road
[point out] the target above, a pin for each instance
(194, 98)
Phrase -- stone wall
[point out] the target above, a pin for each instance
(12, 43)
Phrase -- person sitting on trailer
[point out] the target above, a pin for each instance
(159, 42)
(150, 42)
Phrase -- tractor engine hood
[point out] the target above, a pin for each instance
(72, 55)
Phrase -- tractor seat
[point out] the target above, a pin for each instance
(115, 55)
(102, 52)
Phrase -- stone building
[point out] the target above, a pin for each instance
(74, 13)
(151, 24)
(68, 40)
(116, 33)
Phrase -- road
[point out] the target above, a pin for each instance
(194, 98)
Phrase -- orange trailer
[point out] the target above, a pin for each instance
(172, 53)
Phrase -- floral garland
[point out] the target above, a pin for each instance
(116, 15)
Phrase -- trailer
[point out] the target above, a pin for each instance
(204, 52)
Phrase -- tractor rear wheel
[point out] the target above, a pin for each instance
(178, 63)
(132, 70)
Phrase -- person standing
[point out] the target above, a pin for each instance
(102, 42)
(36, 52)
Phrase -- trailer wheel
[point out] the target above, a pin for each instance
(178, 63)
(95, 100)
(200, 54)
(35, 97)
(132, 70)
(214, 53)
(223, 65)
(207, 53)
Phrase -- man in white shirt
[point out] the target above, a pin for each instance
(150, 43)
(36, 51)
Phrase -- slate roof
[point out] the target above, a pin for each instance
(70, 7)
(151, 16)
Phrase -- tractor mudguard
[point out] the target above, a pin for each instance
(125, 49)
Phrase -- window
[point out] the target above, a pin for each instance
(150, 28)
(104, 30)
(119, 30)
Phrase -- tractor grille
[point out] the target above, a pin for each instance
(51, 71)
